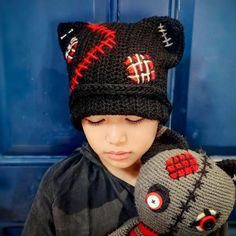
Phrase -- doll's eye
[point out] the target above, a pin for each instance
(206, 220)
(157, 198)
(154, 201)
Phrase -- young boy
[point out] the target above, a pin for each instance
(118, 80)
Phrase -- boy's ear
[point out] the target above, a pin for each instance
(67, 34)
(170, 32)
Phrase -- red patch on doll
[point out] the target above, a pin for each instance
(181, 165)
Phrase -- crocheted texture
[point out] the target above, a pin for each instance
(126, 228)
(195, 205)
(93, 54)
(166, 40)
(158, 198)
(181, 165)
(206, 220)
(192, 194)
(229, 166)
(140, 68)
(199, 203)
(142, 230)
(71, 48)
(166, 139)
(121, 68)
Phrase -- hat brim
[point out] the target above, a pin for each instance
(143, 106)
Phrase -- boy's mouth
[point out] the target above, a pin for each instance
(118, 155)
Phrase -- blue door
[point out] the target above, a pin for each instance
(35, 129)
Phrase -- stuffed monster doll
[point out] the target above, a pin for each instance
(180, 192)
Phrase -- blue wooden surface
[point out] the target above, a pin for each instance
(34, 119)
(34, 98)
(211, 103)
(35, 129)
(204, 98)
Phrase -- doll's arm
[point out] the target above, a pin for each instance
(126, 227)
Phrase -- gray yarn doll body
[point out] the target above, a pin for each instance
(180, 192)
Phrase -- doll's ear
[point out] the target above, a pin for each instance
(166, 139)
(229, 166)
(67, 36)
(170, 33)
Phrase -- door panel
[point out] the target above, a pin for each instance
(34, 113)
(211, 109)
(35, 128)
(141, 10)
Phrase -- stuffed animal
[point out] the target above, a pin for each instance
(180, 192)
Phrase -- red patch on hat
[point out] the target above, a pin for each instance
(140, 68)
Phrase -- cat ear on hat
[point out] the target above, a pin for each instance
(67, 36)
(170, 34)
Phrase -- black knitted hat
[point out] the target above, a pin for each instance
(121, 68)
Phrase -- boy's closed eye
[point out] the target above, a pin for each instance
(96, 120)
(134, 120)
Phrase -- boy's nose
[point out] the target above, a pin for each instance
(116, 136)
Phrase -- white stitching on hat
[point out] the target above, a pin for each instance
(164, 35)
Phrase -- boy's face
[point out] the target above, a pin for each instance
(120, 141)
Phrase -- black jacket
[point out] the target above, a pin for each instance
(79, 197)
